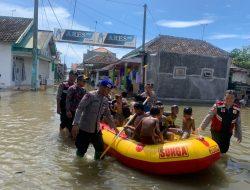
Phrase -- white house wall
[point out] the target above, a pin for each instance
(239, 77)
(5, 65)
(44, 69)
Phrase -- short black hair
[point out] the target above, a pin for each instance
(139, 98)
(159, 103)
(154, 110)
(124, 94)
(139, 106)
(72, 72)
(188, 111)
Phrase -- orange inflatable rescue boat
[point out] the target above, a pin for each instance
(173, 157)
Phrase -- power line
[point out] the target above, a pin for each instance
(110, 17)
(154, 20)
(61, 27)
(54, 14)
(74, 11)
(46, 15)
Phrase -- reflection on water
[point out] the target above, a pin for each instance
(34, 156)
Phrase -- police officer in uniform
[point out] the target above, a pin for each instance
(225, 120)
(61, 99)
(88, 115)
(74, 96)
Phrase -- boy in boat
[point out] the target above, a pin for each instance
(150, 129)
(188, 125)
(163, 123)
(139, 115)
(118, 110)
(170, 118)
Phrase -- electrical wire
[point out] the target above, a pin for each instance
(155, 23)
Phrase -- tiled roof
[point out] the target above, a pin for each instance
(101, 59)
(101, 49)
(11, 28)
(180, 45)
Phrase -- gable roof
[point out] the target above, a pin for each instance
(180, 45)
(101, 59)
(13, 27)
(101, 49)
(43, 39)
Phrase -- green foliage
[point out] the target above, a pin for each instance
(241, 57)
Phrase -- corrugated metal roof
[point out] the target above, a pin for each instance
(11, 28)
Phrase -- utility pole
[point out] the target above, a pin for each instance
(34, 80)
(143, 46)
(203, 31)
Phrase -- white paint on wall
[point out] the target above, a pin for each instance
(5, 65)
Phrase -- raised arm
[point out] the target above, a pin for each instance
(208, 118)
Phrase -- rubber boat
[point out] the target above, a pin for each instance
(173, 157)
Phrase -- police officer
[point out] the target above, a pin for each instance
(225, 119)
(88, 114)
(61, 99)
(74, 96)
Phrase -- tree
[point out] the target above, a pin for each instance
(241, 57)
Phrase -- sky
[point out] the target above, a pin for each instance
(224, 23)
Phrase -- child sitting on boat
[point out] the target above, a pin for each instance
(163, 123)
(170, 118)
(139, 115)
(188, 124)
(149, 128)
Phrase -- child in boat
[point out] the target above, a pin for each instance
(163, 123)
(139, 115)
(170, 118)
(150, 129)
(118, 110)
(188, 125)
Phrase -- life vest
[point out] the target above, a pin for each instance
(65, 87)
(225, 119)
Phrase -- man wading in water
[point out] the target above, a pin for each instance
(61, 100)
(225, 118)
(88, 115)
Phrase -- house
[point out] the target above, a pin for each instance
(239, 80)
(185, 69)
(16, 43)
(95, 60)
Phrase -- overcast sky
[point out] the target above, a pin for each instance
(226, 23)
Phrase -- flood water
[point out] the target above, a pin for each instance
(34, 156)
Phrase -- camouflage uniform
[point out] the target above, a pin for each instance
(74, 96)
(61, 98)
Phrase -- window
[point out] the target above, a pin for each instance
(207, 73)
(179, 72)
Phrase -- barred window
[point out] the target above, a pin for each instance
(207, 73)
(179, 72)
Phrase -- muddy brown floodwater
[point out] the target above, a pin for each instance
(34, 156)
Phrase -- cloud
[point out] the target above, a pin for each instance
(64, 18)
(63, 15)
(108, 23)
(228, 36)
(183, 24)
